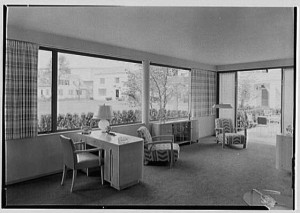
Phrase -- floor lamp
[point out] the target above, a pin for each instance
(222, 106)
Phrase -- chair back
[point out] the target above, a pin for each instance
(224, 123)
(144, 133)
(69, 157)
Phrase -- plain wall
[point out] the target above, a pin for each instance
(206, 126)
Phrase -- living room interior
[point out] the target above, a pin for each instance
(89, 57)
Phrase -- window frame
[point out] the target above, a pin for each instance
(236, 83)
(55, 83)
(189, 92)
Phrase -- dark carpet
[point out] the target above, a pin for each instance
(205, 175)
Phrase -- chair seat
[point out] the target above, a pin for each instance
(162, 152)
(232, 138)
(86, 160)
(167, 146)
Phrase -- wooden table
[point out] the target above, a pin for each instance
(123, 157)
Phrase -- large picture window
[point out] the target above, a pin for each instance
(44, 90)
(169, 93)
(84, 82)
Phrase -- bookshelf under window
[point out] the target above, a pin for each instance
(181, 129)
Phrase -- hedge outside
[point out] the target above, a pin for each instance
(74, 121)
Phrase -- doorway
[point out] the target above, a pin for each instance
(259, 104)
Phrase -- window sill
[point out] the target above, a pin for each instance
(79, 130)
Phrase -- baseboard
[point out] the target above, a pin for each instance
(207, 136)
(31, 178)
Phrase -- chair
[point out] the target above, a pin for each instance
(159, 148)
(79, 159)
(228, 135)
(250, 120)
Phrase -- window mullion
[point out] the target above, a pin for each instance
(54, 91)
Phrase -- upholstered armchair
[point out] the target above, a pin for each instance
(79, 159)
(159, 148)
(227, 135)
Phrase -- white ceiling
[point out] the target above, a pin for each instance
(216, 36)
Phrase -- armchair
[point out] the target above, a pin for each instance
(159, 148)
(79, 159)
(228, 135)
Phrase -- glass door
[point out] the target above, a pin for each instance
(259, 104)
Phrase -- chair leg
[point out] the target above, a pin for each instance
(102, 174)
(244, 146)
(171, 164)
(146, 162)
(172, 159)
(64, 175)
(73, 179)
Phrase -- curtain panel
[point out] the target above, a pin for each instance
(203, 92)
(227, 95)
(21, 70)
(288, 99)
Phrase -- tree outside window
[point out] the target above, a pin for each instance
(169, 92)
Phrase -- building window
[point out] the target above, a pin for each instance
(102, 92)
(117, 80)
(63, 82)
(61, 92)
(169, 93)
(117, 93)
(78, 92)
(85, 90)
(102, 80)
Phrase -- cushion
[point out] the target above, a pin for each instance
(86, 160)
(232, 138)
(162, 152)
(144, 133)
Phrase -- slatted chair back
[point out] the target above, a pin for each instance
(224, 123)
(144, 133)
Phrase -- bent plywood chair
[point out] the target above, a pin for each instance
(79, 159)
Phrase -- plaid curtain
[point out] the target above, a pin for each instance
(20, 89)
(203, 86)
